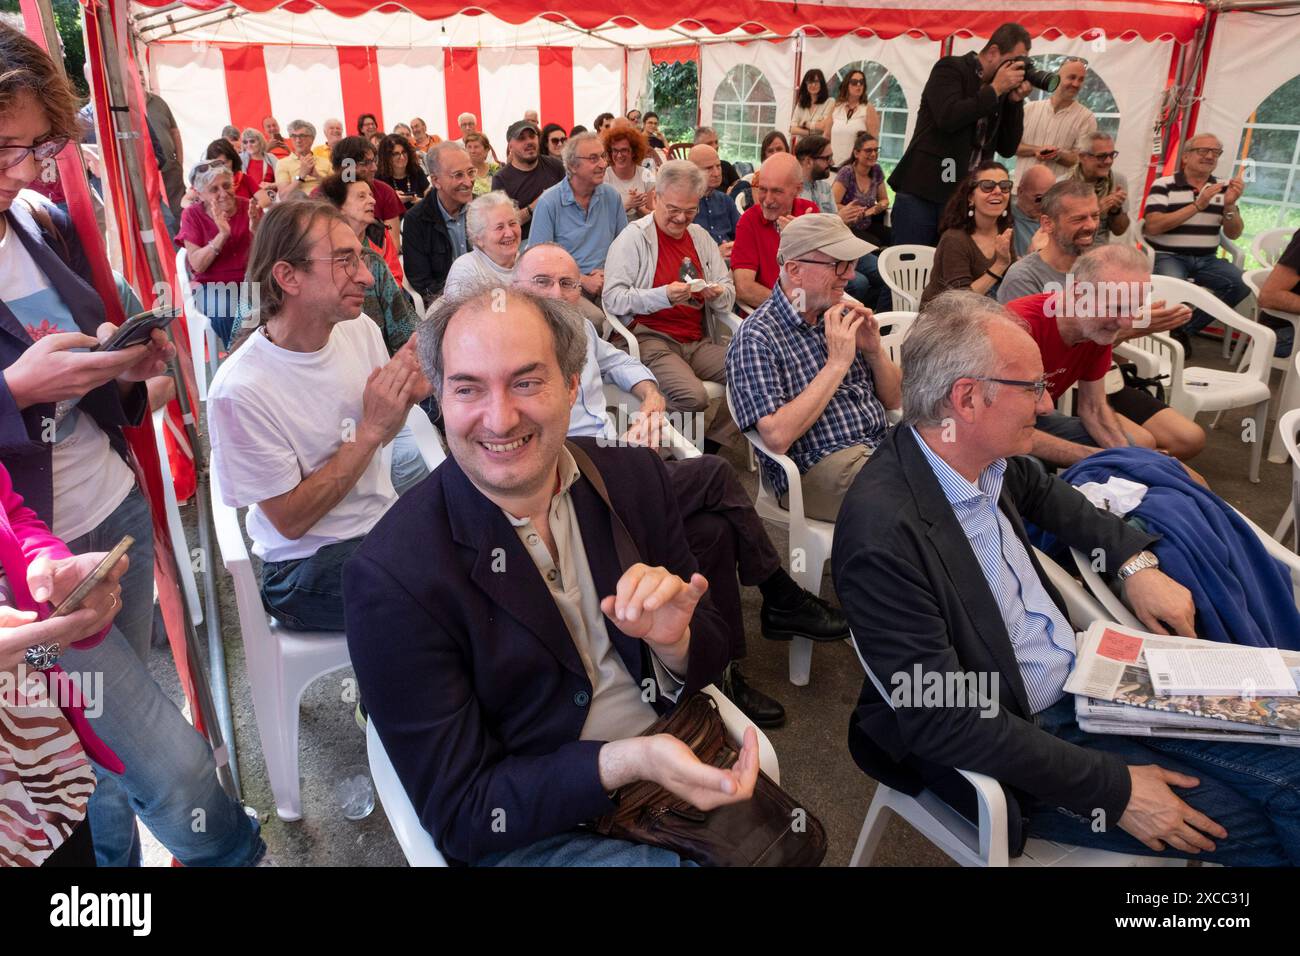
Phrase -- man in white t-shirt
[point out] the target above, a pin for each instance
(301, 412)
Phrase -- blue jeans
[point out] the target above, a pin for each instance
(1217, 276)
(170, 780)
(867, 286)
(306, 594)
(135, 620)
(579, 848)
(408, 468)
(915, 220)
(220, 303)
(1251, 790)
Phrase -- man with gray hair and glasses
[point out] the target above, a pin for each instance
(1096, 168)
(933, 567)
(667, 282)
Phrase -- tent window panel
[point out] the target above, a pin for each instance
(744, 110)
(1270, 181)
(1276, 145)
(885, 93)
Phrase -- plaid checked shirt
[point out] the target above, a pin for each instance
(772, 360)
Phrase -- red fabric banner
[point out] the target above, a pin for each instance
(555, 66)
(359, 76)
(460, 78)
(675, 54)
(246, 85)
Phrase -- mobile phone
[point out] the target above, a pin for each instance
(73, 601)
(138, 329)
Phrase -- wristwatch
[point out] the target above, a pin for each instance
(1139, 562)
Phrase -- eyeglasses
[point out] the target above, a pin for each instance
(1038, 386)
(545, 282)
(857, 81)
(1207, 151)
(689, 211)
(351, 262)
(1103, 156)
(870, 152)
(558, 140)
(621, 151)
(1074, 59)
(594, 158)
(13, 155)
(300, 135)
(827, 159)
(988, 185)
(842, 266)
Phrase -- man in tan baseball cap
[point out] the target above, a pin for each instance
(807, 368)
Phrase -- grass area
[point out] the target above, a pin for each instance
(1258, 218)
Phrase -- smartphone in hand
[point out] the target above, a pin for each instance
(138, 329)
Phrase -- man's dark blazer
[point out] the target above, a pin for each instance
(467, 668)
(914, 594)
(24, 450)
(427, 252)
(953, 101)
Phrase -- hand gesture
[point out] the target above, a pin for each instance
(783, 221)
(50, 371)
(150, 361)
(1162, 317)
(647, 428)
(655, 605)
(867, 338)
(1156, 597)
(882, 204)
(1010, 76)
(709, 292)
(1002, 247)
(1159, 817)
(388, 396)
(307, 165)
(724, 248)
(1046, 153)
(674, 766)
(1020, 92)
(222, 220)
(851, 213)
(50, 580)
(1236, 186)
(1207, 194)
(593, 282)
(678, 292)
(840, 323)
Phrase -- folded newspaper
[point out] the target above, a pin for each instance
(1115, 695)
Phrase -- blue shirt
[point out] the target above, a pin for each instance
(1024, 227)
(455, 227)
(718, 216)
(1041, 637)
(772, 359)
(588, 417)
(584, 233)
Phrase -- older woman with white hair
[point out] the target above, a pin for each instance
(217, 234)
(259, 165)
(492, 222)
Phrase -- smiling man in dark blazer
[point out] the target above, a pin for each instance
(508, 663)
(933, 568)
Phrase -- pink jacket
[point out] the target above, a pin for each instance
(24, 538)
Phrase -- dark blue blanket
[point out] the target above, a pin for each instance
(1243, 595)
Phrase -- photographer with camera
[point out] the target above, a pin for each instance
(972, 106)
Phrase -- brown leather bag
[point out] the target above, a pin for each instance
(769, 829)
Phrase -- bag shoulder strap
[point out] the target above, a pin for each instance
(624, 546)
(46, 222)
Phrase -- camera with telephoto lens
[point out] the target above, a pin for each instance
(1047, 82)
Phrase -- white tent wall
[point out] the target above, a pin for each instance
(1135, 71)
(775, 60)
(597, 84)
(638, 77)
(304, 84)
(1251, 56)
(909, 59)
(508, 83)
(412, 85)
(192, 79)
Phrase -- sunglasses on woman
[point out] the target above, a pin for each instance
(13, 155)
(988, 185)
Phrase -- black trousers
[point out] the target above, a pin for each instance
(725, 533)
(77, 850)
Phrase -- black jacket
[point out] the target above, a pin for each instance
(24, 448)
(427, 252)
(953, 102)
(467, 668)
(915, 595)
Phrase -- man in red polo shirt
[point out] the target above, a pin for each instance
(758, 234)
(1075, 327)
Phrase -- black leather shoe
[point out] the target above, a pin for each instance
(812, 618)
(757, 706)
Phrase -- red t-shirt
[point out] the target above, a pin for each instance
(684, 322)
(245, 186)
(387, 205)
(1062, 364)
(259, 171)
(197, 227)
(757, 241)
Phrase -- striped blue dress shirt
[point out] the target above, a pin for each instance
(1041, 637)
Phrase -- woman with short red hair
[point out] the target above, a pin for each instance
(628, 148)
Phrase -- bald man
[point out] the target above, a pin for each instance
(758, 233)
(718, 214)
(1027, 209)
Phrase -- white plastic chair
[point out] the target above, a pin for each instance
(281, 663)
(200, 331)
(1255, 280)
(418, 845)
(1235, 255)
(175, 529)
(677, 444)
(986, 843)
(1222, 390)
(906, 270)
(1287, 427)
(1270, 244)
(808, 537)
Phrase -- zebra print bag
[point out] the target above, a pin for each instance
(45, 778)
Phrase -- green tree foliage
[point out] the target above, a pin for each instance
(674, 94)
(67, 18)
